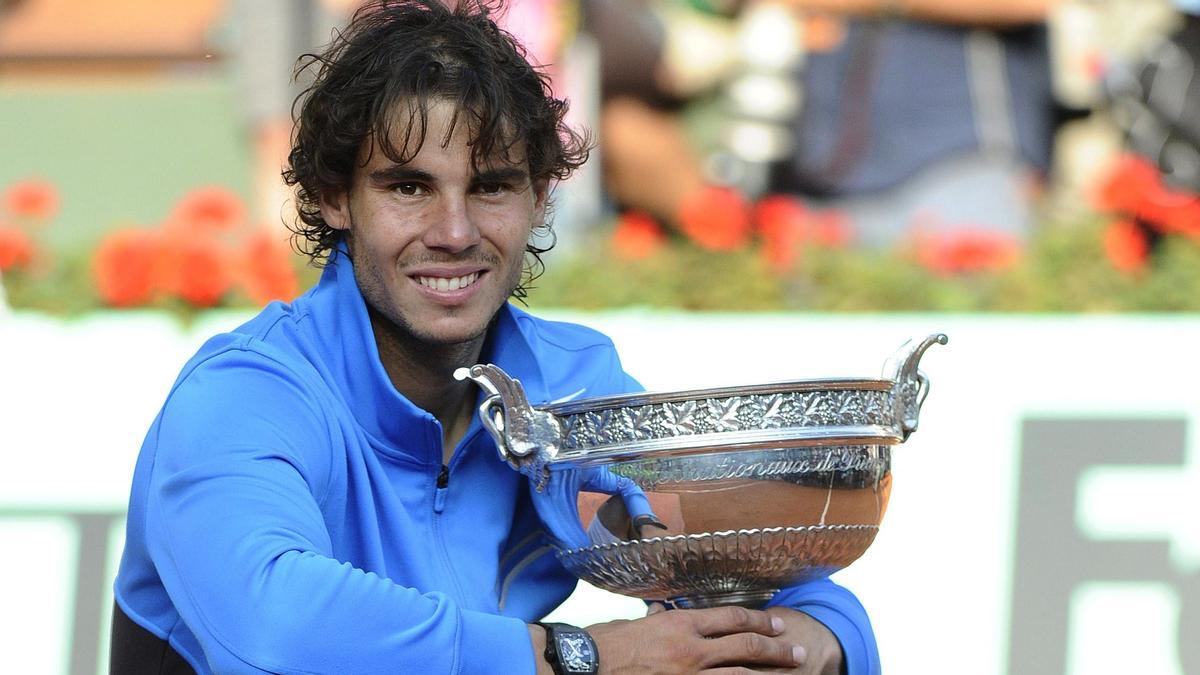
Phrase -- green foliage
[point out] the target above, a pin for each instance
(679, 276)
(61, 287)
(1064, 268)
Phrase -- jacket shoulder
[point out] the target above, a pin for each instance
(562, 335)
(575, 360)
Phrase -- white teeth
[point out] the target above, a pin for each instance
(448, 284)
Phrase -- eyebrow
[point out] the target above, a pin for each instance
(502, 175)
(398, 173)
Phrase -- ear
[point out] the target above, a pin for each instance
(335, 209)
(541, 193)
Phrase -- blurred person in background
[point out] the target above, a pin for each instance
(911, 116)
(317, 493)
(1152, 189)
(929, 115)
(1158, 102)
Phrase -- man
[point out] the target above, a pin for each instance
(316, 494)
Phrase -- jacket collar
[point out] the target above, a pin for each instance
(342, 329)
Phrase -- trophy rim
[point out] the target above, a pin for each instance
(746, 440)
(597, 403)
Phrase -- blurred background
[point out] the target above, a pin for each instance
(780, 189)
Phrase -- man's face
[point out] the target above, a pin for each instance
(438, 245)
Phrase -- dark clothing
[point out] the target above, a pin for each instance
(898, 96)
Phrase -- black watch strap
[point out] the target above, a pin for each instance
(570, 650)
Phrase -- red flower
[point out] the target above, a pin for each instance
(1128, 185)
(16, 248)
(266, 270)
(716, 218)
(1186, 218)
(637, 236)
(784, 224)
(1126, 245)
(206, 211)
(1174, 212)
(832, 229)
(966, 251)
(34, 199)
(125, 267)
(197, 269)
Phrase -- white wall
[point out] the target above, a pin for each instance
(76, 397)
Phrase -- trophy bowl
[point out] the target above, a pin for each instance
(713, 496)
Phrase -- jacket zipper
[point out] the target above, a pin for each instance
(439, 495)
(439, 505)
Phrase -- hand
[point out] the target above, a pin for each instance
(720, 640)
(824, 650)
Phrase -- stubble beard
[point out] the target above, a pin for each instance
(403, 332)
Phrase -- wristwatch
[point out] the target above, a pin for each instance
(570, 650)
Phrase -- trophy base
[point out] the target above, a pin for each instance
(750, 599)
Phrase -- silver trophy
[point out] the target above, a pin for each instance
(714, 496)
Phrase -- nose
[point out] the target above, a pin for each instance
(451, 226)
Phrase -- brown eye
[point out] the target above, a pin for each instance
(408, 189)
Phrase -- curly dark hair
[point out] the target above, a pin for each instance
(411, 52)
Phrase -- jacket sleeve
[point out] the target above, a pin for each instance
(842, 613)
(236, 531)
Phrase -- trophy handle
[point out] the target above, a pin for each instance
(911, 386)
(527, 438)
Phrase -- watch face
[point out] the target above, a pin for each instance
(576, 654)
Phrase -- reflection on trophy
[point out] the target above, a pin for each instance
(715, 496)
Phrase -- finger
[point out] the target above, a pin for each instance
(719, 621)
(655, 608)
(747, 649)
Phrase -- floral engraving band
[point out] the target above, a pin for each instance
(856, 407)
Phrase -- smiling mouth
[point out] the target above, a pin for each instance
(448, 283)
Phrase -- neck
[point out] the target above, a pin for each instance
(424, 374)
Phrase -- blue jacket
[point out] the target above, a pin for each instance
(286, 513)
